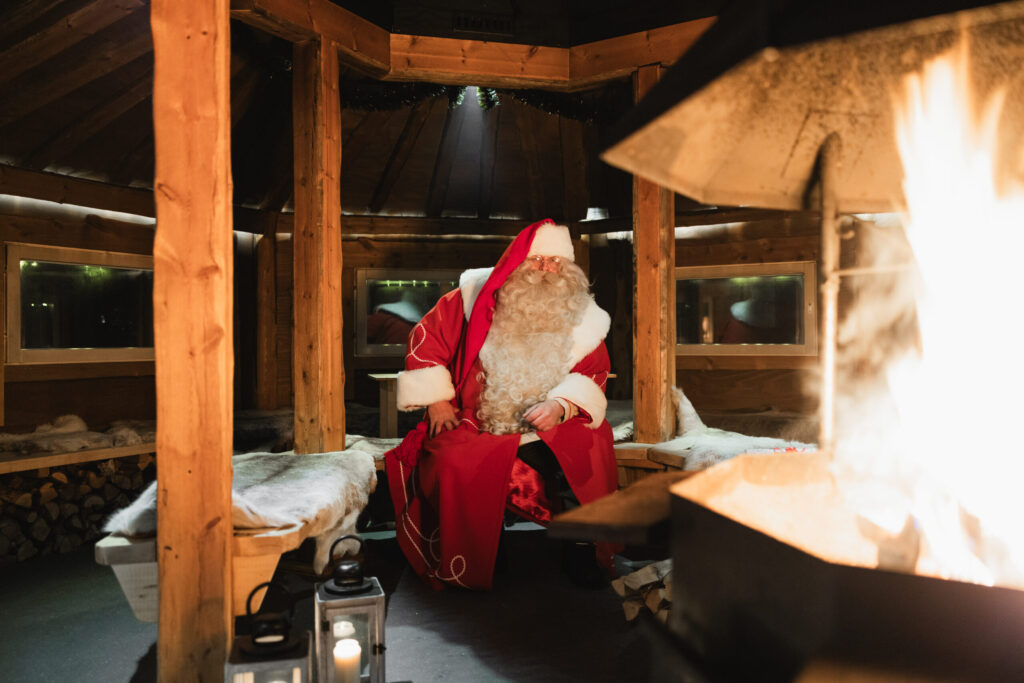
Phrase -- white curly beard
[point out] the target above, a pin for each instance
(527, 350)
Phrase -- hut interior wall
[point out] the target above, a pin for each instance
(767, 395)
(97, 392)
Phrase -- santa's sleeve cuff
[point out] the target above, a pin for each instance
(585, 393)
(423, 386)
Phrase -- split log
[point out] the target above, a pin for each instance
(40, 529)
(26, 550)
(631, 607)
(646, 588)
(47, 493)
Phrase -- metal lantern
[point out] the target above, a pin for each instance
(350, 624)
(270, 653)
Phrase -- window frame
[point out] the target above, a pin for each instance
(808, 269)
(17, 252)
(364, 349)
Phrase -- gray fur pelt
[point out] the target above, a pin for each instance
(327, 491)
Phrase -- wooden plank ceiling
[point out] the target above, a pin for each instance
(76, 82)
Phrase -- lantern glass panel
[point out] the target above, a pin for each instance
(356, 626)
(293, 666)
(281, 675)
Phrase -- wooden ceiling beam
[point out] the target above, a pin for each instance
(477, 62)
(361, 44)
(400, 154)
(244, 86)
(593, 63)
(402, 57)
(74, 136)
(575, 195)
(20, 16)
(114, 54)
(360, 226)
(61, 35)
(441, 177)
(53, 187)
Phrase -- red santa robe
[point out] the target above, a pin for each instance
(450, 492)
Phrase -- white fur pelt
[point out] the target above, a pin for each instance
(66, 434)
(327, 491)
(707, 446)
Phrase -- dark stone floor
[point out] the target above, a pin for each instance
(65, 619)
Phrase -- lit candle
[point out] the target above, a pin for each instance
(347, 654)
(343, 629)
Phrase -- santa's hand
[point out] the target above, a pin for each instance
(441, 417)
(544, 416)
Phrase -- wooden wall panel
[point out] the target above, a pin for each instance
(98, 401)
(749, 385)
(38, 394)
(750, 391)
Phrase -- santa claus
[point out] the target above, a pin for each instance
(511, 368)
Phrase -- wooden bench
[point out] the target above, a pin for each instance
(255, 554)
(20, 462)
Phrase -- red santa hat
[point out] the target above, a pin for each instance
(543, 238)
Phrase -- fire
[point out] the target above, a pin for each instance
(953, 463)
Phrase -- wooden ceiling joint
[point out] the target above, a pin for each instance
(360, 43)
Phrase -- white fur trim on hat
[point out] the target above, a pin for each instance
(552, 240)
(423, 386)
(585, 393)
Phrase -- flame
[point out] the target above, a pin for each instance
(955, 466)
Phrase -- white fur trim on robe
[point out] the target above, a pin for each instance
(585, 393)
(423, 386)
(591, 331)
(470, 284)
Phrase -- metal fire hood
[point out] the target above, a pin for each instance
(739, 120)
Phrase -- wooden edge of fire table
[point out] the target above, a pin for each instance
(635, 515)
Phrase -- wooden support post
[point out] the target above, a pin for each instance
(654, 309)
(317, 362)
(830, 151)
(192, 303)
(266, 318)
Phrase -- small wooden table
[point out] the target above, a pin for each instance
(388, 403)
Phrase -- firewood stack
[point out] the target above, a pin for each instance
(57, 510)
(649, 587)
